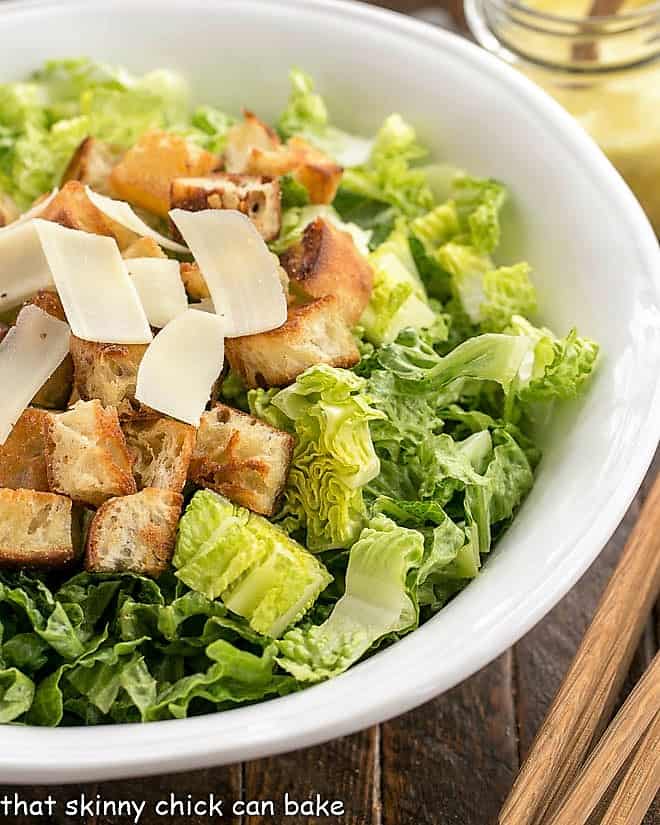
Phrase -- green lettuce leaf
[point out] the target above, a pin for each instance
(378, 601)
(298, 218)
(398, 299)
(558, 367)
(333, 458)
(306, 116)
(224, 551)
(43, 121)
(16, 694)
(479, 202)
(389, 177)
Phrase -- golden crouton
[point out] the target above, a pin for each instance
(36, 529)
(86, 454)
(318, 173)
(144, 175)
(254, 149)
(257, 197)
(161, 450)
(241, 457)
(197, 289)
(91, 165)
(242, 138)
(143, 248)
(23, 456)
(72, 208)
(9, 211)
(107, 372)
(326, 262)
(315, 333)
(56, 391)
(194, 282)
(134, 534)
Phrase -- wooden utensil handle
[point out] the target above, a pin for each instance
(641, 783)
(586, 698)
(611, 753)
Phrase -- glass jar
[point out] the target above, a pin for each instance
(604, 70)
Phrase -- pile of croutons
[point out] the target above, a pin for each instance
(87, 469)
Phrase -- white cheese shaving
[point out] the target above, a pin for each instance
(239, 270)
(178, 370)
(159, 285)
(29, 354)
(98, 295)
(123, 214)
(32, 212)
(24, 268)
(205, 305)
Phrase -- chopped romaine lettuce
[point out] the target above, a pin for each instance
(298, 218)
(556, 367)
(388, 177)
(224, 551)
(378, 600)
(333, 458)
(306, 116)
(42, 122)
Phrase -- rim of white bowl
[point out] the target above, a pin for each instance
(320, 713)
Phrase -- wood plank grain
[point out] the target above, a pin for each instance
(452, 761)
(345, 770)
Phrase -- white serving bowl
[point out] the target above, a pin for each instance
(596, 265)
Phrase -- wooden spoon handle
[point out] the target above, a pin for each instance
(611, 753)
(586, 698)
(641, 783)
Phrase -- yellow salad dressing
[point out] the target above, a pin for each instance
(619, 107)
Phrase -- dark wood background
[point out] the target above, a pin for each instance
(450, 762)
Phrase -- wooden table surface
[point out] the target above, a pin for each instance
(450, 762)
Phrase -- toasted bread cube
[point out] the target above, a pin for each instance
(317, 172)
(194, 282)
(144, 175)
(91, 165)
(23, 455)
(143, 248)
(56, 391)
(72, 208)
(326, 262)
(244, 137)
(134, 534)
(315, 333)
(242, 458)
(253, 148)
(86, 454)
(197, 289)
(107, 372)
(36, 529)
(161, 450)
(255, 196)
(9, 211)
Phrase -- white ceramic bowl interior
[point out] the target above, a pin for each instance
(596, 265)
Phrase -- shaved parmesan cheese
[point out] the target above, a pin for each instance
(24, 268)
(123, 214)
(29, 354)
(205, 305)
(239, 270)
(178, 370)
(98, 295)
(33, 212)
(159, 285)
